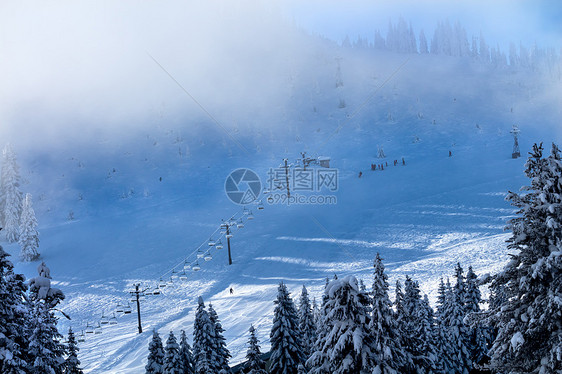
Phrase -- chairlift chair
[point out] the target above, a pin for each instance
(196, 266)
(104, 320)
(89, 329)
(81, 337)
(245, 211)
(200, 253)
(260, 206)
(250, 215)
(219, 245)
(228, 236)
(208, 256)
(186, 265)
(156, 291)
(240, 224)
(113, 320)
(98, 330)
(119, 308)
(127, 309)
(183, 276)
(174, 275)
(162, 284)
(211, 242)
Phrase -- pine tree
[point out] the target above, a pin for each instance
(286, 347)
(155, 355)
(204, 353)
(10, 195)
(388, 355)
(172, 359)
(457, 333)
(477, 333)
(413, 329)
(186, 356)
(29, 237)
(254, 364)
(423, 43)
(399, 315)
(13, 316)
(315, 312)
(428, 336)
(528, 320)
(72, 364)
(344, 344)
(45, 349)
(445, 348)
(219, 345)
(307, 327)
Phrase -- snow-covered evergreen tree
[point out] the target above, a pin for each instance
(457, 331)
(254, 362)
(529, 320)
(45, 348)
(186, 355)
(13, 315)
(423, 43)
(286, 346)
(29, 237)
(307, 327)
(10, 195)
(155, 355)
(344, 344)
(388, 355)
(315, 312)
(477, 334)
(219, 345)
(204, 352)
(445, 349)
(172, 360)
(413, 333)
(72, 364)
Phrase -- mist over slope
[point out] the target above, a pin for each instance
(129, 181)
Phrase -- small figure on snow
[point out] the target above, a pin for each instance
(450, 154)
(231, 290)
(403, 161)
(360, 174)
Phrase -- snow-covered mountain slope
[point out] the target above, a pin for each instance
(142, 201)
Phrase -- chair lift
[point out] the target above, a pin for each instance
(211, 242)
(162, 284)
(98, 330)
(240, 224)
(260, 205)
(104, 320)
(174, 275)
(119, 308)
(183, 276)
(219, 245)
(89, 329)
(245, 211)
(208, 256)
(200, 253)
(113, 320)
(127, 309)
(186, 265)
(196, 266)
(156, 291)
(81, 337)
(250, 215)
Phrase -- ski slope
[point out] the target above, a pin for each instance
(144, 200)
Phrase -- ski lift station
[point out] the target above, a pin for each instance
(324, 161)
